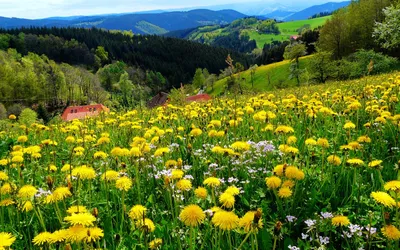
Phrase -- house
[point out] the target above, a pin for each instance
(198, 98)
(294, 37)
(81, 112)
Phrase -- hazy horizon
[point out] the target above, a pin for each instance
(31, 9)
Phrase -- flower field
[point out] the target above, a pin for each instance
(305, 168)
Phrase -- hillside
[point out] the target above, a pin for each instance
(267, 77)
(246, 30)
(144, 23)
(308, 12)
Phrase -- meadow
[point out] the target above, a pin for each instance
(312, 167)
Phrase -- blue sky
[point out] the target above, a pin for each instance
(48, 8)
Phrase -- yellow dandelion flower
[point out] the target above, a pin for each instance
(292, 172)
(247, 222)
(212, 182)
(177, 174)
(349, 125)
(110, 175)
(76, 209)
(83, 219)
(7, 202)
(232, 190)
(285, 192)
(100, 155)
(195, 132)
(6, 240)
(225, 220)
(156, 243)
(282, 129)
(3, 176)
(273, 182)
(58, 236)
(17, 159)
(93, 234)
(192, 215)
(383, 198)
(184, 185)
(279, 169)
(375, 163)
(334, 160)
(355, 162)
(137, 212)
(161, 152)
(201, 192)
(66, 168)
(124, 183)
(391, 232)
(84, 172)
(288, 183)
(76, 233)
(22, 139)
(392, 185)
(227, 200)
(27, 191)
(42, 239)
(323, 142)
(146, 225)
(241, 146)
(340, 220)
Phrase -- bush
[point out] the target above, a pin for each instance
(381, 62)
(15, 109)
(3, 112)
(27, 117)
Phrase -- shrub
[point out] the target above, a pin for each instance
(3, 112)
(27, 117)
(381, 62)
(15, 109)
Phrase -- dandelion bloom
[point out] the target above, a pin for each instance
(334, 160)
(192, 215)
(391, 232)
(161, 152)
(137, 212)
(294, 173)
(375, 163)
(27, 191)
(323, 142)
(83, 219)
(349, 125)
(232, 190)
(201, 192)
(58, 236)
(3, 176)
(311, 142)
(285, 192)
(291, 140)
(340, 220)
(383, 198)
(284, 129)
(225, 220)
(135, 151)
(195, 132)
(124, 183)
(279, 169)
(146, 225)
(392, 185)
(212, 182)
(93, 234)
(288, 183)
(177, 174)
(184, 185)
(110, 175)
(42, 239)
(76, 209)
(27, 206)
(100, 155)
(273, 182)
(154, 244)
(12, 117)
(247, 222)
(6, 240)
(227, 200)
(17, 159)
(22, 138)
(355, 162)
(76, 233)
(84, 172)
(240, 145)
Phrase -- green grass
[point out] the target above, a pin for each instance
(290, 28)
(267, 77)
(150, 28)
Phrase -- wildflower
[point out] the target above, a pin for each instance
(6, 240)
(375, 163)
(323, 142)
(12, 117)
(58, 195)
(294, 173)
(75, 233)
(391, 232)
(171, 164)
(326, 215)
(192, 215)
(232, 190)
(146, 225)
(291, 218)
(3, 176)
(6, 202)
(334, 160)
(184, 185)
(392, 185)
(161, 151)
(66, 168)
(284, 129)
(177, 174)
(17, 159)
(27, 191)
(3, 162)
(240, 145)
(124, 183)
(42, 239)
(291, 140)
(22, 138)
(76, 209)
(293, 247)
(93, 234)
(70, 139)
(83, 219)
(212, 182)
(349, 125)
(355, 162)
(227, 200)
(278, 170)
(100, 155)
(58, 236)
(340, 220)
(225, 220)
(195, 132)
(84, 172)
(323, 240)
(154, 244)
(311, 142)
(383, 198)
(288, 184)
(273, 182)
(364, 139)
(284, 192)
(310, 222)
(137, 212)
(248, 222)
(201, 192)
(110, 175)
(27, 206)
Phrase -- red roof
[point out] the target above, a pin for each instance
(81, 112)
(198, 98)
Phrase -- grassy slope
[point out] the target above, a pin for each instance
(278, 74)
(287, 29)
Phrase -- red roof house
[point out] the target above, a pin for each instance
(198, 98)
(81, 112)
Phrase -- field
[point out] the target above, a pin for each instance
(312, 167)
(287, 29)
(266, 77)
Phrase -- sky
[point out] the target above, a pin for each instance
(49, 8)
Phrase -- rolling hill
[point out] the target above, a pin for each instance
(145, 23)
(266, 77)
(308, 12)
(246, 27)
